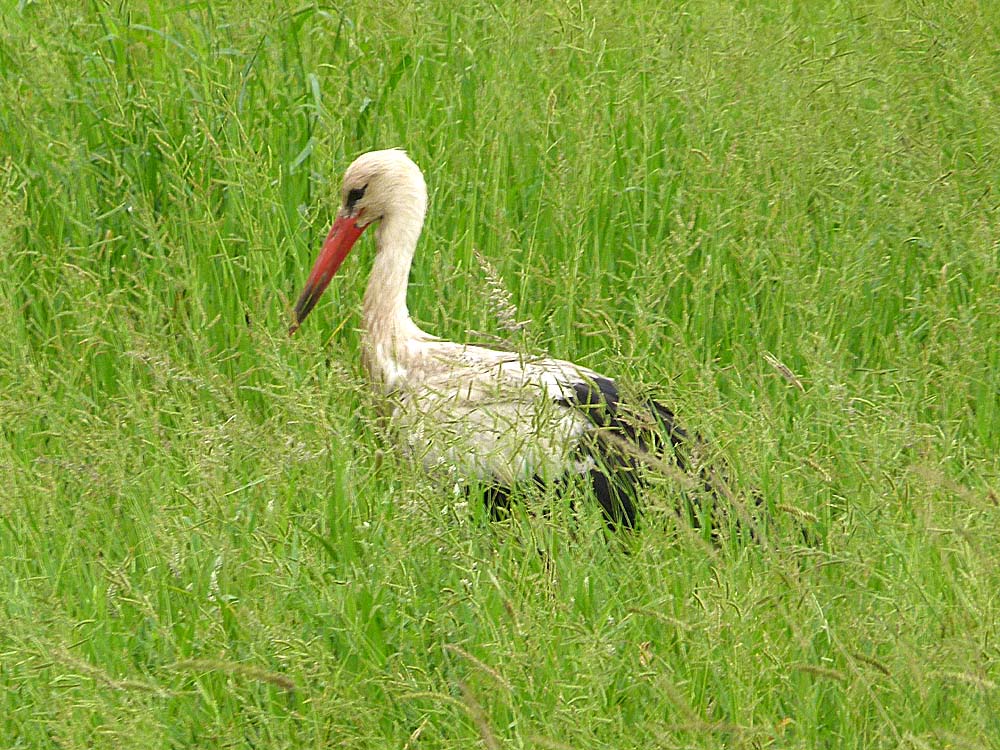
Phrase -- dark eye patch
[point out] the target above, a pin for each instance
(354, 195)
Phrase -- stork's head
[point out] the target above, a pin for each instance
(379, 185)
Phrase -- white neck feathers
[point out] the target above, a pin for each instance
(388, 328)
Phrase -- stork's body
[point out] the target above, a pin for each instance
(492, 418)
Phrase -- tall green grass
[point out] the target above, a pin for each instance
(783, 220)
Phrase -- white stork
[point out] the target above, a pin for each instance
(493, 419)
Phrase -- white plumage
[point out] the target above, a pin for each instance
(489, 417)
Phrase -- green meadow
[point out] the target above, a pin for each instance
(782, 219)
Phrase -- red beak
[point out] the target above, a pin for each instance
(343, 234)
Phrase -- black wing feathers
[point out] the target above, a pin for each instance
(602, 404)
(627, 436)
(617, 476)
(626, 439)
